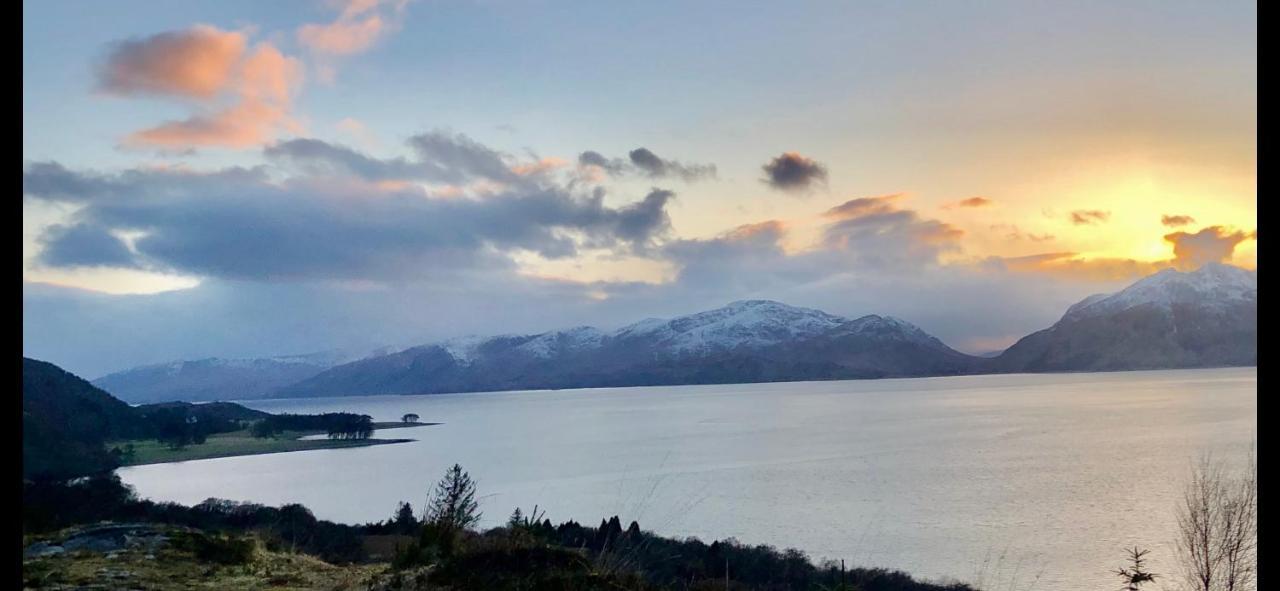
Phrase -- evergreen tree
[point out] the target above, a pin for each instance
(1135, 574)
(454, 506)
(403, 521)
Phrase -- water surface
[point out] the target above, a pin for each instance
(1014, 481)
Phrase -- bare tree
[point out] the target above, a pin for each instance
(1239, 546)
(1218, 526)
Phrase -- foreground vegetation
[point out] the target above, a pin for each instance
(225, 544)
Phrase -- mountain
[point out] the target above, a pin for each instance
(217, 379)
(65, 421)
(1172, 319)
(746, 341)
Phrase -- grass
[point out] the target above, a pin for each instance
(176, 567)
(242, 443)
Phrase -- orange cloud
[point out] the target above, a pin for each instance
(341, 38)
(539, 167)
(1214, 244)
(198, 62)
(357, 28)
(863, 206)
(1176, 220)
(774, 228)
(1070, 265)
(1089, 216)
(264, 87)
(975, 202)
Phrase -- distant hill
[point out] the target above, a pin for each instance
(208, 411)
(217, 379)
(1205, 318)
(65, 421)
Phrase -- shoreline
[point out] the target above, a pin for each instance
(240, 443)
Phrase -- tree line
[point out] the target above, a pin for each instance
(338, 425)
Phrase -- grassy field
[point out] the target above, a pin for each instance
(241, 443)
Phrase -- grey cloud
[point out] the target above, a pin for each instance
(794, 172)
(592, 158)
(319, 157)
(656, 167)
(458, 158)
(642, 161)
(639, 222)
(83, 245)
(251, 228)
(440, 157)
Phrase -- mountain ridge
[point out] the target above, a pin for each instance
(763, 340)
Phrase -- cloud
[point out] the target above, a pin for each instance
(343, 37)
(277, 256)
(1191, 251)
(1214, 244)
(83, 245)
(1013, 232)
(357, 29)
(1082, 217)
(644, 162)
(975, 202)
(244, 100)
(794, 172)
(863, 206)
(457, 158)
(874, 232)
(318, 157)
(239, 224)
(1072, 267)
(1174, 221)
(198, 63)
(656, 167)
(439, 157)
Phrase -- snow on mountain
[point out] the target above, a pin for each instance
(1214, 286)
(887, 327)
(746, 323)
(1203, 318)
(463, 349)
(572, 340)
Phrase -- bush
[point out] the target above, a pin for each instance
(215, 547)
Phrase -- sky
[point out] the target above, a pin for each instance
(243, 179)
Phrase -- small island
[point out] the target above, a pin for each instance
(182, 432)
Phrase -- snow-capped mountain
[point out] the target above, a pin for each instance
(745, 341)
(1171, 319)
(747, 323)
(1207, 317)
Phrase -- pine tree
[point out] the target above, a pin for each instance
(454, 506)
(1135, 575)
